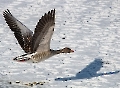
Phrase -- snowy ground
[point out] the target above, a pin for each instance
(90, 27)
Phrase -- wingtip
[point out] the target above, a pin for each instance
(6, 11)
(54, 9)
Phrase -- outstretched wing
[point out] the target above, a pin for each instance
(43, 32)
(21, 32)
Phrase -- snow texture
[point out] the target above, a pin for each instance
(90, 27)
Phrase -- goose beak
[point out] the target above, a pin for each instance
(71, 51)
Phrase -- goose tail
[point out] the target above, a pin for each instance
(23, 58)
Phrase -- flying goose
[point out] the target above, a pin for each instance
(37, 45)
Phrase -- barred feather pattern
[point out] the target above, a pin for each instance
(38, 57)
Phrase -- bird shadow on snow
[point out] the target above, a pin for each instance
(89, 71)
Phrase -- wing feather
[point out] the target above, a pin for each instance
(21, 32)
(43, 32)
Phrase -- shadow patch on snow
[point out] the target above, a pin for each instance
(89, 71)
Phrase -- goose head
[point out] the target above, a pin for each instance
(66, 50)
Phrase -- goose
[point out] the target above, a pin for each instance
(36, 46)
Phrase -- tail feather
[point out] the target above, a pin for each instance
(23, 58)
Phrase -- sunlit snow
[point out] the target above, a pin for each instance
(90, 27)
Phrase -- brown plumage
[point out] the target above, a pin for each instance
(37, 45)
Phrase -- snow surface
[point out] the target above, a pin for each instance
(90, 27)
